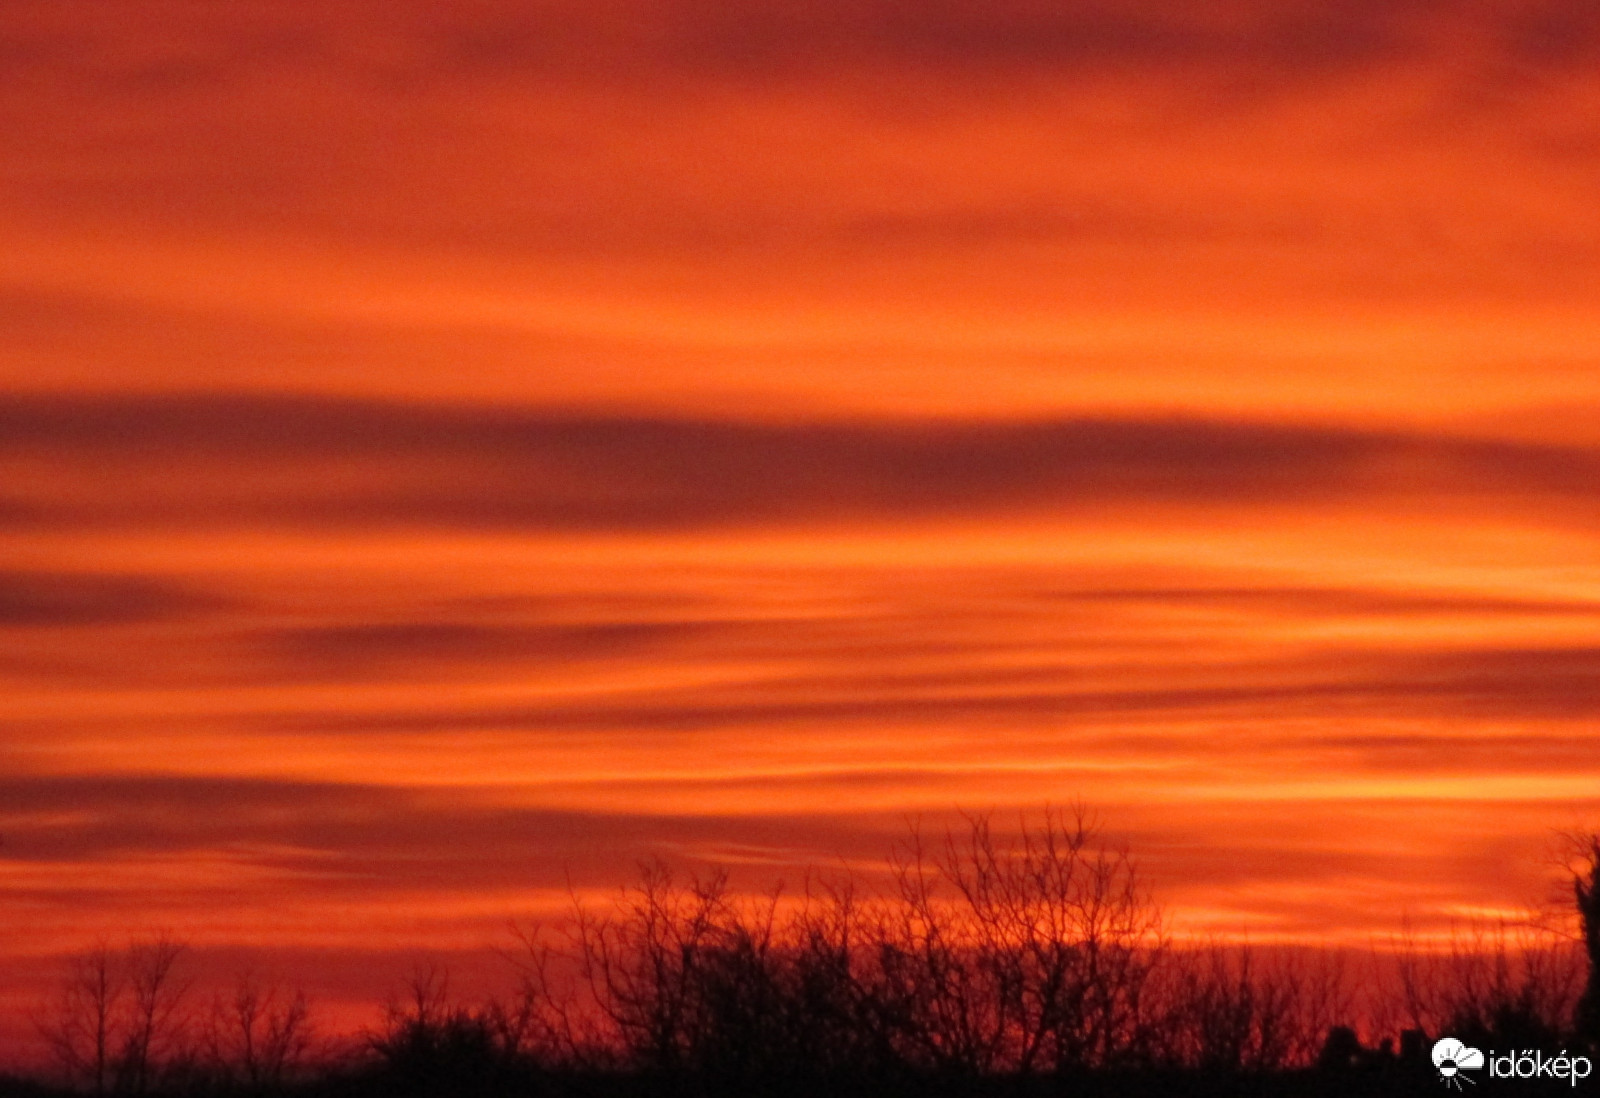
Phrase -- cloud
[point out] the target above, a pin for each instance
(49, 599)
(391, 648)
(584, 130)
(352, 837)
(771, 39)
(1542, 752)
(1556, 683)
(1020, 36)
(1294, 601)
(223, 460)
(1364, 213)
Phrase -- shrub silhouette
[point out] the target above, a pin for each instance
(428, 1045)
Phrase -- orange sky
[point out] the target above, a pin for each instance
(445, 449)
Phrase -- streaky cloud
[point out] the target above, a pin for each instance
(343, 463)
(1554, 683)
(68, 599)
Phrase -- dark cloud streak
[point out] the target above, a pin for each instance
(1554, 683)
(224, 460)
(771, 39)
(341, 651)
(52, 599)
(348, 836)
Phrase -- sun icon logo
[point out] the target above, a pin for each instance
(1452, 1057)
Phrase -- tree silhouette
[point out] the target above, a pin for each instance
(119, 1016)
(259, 1037)
(1586, 890)
(1021, 961)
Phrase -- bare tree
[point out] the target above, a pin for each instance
(1231, 1008)
(259, 1036)
(1022, 954)
(541, 1022)
(155, 999)
(642, 962)
(1513, 982)
(1586, 893)
(118, 1015)
(84, 1030)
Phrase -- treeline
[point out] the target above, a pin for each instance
(1017, 964)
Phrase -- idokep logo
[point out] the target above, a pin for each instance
(1451, 1058)
(1536, 1064)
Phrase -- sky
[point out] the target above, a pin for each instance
(450, 452)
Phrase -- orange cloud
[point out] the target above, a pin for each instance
(445, 450)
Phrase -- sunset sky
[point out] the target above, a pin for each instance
(448, 451)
